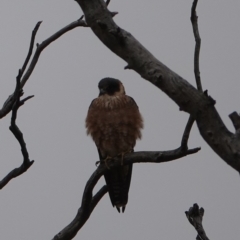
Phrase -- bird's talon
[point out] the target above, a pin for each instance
(97, 163)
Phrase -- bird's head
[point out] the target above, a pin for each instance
(111, 87)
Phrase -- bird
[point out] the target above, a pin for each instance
(114, 123)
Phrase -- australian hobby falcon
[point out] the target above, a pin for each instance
(115, 123)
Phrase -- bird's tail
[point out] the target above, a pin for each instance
(118, 181)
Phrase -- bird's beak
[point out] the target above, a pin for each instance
(102, 91)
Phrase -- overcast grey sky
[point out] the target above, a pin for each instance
(43, 200)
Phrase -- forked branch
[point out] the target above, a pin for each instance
(7, 106)
(89, 202)
(194, 20)
(18, 135)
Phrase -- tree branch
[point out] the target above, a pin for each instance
(44, 44)
(195, 217)
(89, 202)
(194, 20)
(34, 32)
(186, 133)
(18, 135)
(188, 98)
(7, 106)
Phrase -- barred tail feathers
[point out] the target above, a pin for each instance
(118, 181)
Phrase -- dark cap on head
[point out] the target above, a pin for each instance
(109, 86)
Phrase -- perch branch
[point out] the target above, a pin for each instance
(18, 135)
(89, 202)
(195, 217)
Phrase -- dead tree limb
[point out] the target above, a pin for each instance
(45, 43)
(7, 106)
(194, 20)
(186, 133)
(195, 217)
(188, 98)
(89, 202)
(13, 102)
(18, 135)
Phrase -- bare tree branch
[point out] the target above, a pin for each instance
(194, 20)
(44, 44)
(84, 212)
(89, 202)
(98, 196)
(186, 133)
(18, 135)
(7, 106)
(34, 32)
(188, 98)
(195, 217)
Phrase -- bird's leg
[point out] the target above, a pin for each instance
(104, 161)
(123, 153)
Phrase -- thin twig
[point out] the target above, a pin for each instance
(185, 137)
(194, 20)
(19, 136)
(34, 32)
(195, 217)
(7, 106)
(44, 44)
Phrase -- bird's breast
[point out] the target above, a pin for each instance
(114, 124)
